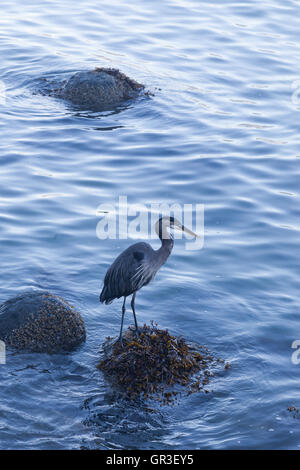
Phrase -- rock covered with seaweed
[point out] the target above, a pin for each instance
(38, 321)
(94, 89)
(156, 365)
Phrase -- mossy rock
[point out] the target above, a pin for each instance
(96, 89)
(156, 365)
(38, 321)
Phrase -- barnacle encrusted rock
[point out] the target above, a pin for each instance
(39, 321)
(96, 89)
(156, 365)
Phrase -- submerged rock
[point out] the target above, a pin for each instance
(39, 321)
(95, 89)
(156, 365)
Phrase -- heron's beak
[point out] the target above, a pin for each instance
(178, 226)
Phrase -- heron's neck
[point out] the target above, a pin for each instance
(166, 248)
(167, 241)
(167, 244)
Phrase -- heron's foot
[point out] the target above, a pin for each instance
(136, 330)
(120, 340)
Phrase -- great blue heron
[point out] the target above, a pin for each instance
(136, 266)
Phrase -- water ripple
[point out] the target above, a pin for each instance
(221, 129)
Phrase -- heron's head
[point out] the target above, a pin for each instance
(165, 223)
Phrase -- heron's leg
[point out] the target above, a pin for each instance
(123, 313)
(133, 311)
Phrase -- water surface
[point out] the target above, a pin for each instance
(221, 130)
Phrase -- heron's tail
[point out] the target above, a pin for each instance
(104, 296)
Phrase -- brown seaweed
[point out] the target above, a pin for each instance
(156, 365)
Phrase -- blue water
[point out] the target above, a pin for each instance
(222, 130)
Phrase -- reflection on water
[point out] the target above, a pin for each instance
(222, 130)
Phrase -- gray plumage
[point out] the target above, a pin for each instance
(133, 269)
(136, 266)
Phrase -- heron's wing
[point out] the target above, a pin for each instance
(128, 273)
(144, 271)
